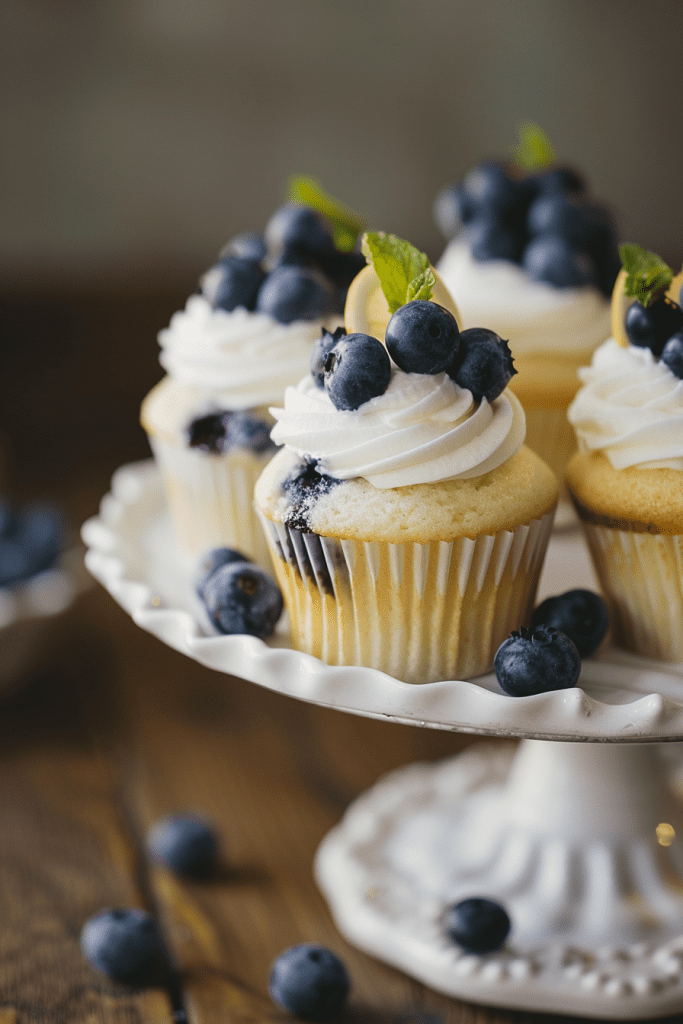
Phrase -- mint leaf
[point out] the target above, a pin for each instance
(647, 275)
(346, 224)
(404, 272)
(534, 150)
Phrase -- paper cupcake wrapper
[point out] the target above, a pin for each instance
(550, 434)
(641, 575)
(420, 612)
(211, 498)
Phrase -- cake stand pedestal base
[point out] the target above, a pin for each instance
(581, 842)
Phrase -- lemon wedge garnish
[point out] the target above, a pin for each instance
(367, 311)
(621, 301)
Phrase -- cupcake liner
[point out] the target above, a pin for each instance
(211, 498)
(420, 612)
(641, 575)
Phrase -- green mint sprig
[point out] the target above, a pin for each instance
(534, 149)
(404, 272)
(647, 275)
(346, 224)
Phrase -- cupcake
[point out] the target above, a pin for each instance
(406, 519)
(626, 480)
(533, 257)
(228, 356)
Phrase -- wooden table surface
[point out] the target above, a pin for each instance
(113, 730)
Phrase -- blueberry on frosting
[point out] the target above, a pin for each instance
(357, 369)
(322, 347)
(422, 337)
(483, 364)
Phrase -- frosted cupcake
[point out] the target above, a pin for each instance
(627, 478)
(535, 259)
(406, 519)
(228, 356)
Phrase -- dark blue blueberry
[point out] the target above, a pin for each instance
(553, 260)
(297, 230)
(581, 614)
(15, 562)
(245, 430)
(126, 945)
(489, 189)
(241, 598)
(237, 283)
(452, 210)
(210, 433)
(7, 518)
(558, 214)
(342, 267)
(304, 488)
(560, 179)
(31, 541)
(296, 293)
(322, 347)
(672, 354)
(213, 560)
(492, 239)
(652, 326)
(483, 364)
(309, 981)
(250, 245)
(422, 337)
(357, 369)
(537, 660)
(185, 843)
(477, 925)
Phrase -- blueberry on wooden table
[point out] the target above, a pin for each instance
(309, 981)
(126, 945)
(422, 337)
(537, 660)
(185, 843)
(477, 925)
(581, 614)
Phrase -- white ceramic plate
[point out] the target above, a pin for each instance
(132, 552)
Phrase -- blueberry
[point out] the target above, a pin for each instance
(652, 326)
(126, 945)
(581, 614)
(250, 245)
(210, 433)
(560, 179)
(342, 267)
(304, 487)
(489, 188)
(245, 430)
(213, 560)
(422, 337)
(357, 369)
(537, 660)
(309, 981)
(298, 230)
(552, 259)
(672, 354)
(39, 532)
(7, 518)
(241, 598)
(295, 293)
(237, 285)
(185, 843)
(483, 364)
(490, 239)
(477, 925)
(557, 214)
(322, 347)
(15, 563)
(452, 209)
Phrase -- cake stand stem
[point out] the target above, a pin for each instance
(580, 841)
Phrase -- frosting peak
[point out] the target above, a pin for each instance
(630, 408)
(423, 429)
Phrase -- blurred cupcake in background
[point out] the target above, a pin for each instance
(626, 480)
(406, 519)
(533, 256)
(230, 354)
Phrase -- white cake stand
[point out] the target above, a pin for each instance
(581, 841)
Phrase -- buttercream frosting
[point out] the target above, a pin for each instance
(241, 359)
(535, 317)
(630, 408)
(423, 429)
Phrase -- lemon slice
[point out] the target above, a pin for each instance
(621, 301)
(367, 311)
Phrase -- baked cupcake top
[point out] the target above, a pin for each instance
(630, 407)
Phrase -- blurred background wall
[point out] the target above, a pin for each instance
(139, 134)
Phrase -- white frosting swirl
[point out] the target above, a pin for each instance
(535, 317)
(241, 359)
(630, 408)
(423, 429)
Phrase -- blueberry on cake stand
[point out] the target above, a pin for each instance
(577, 830)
